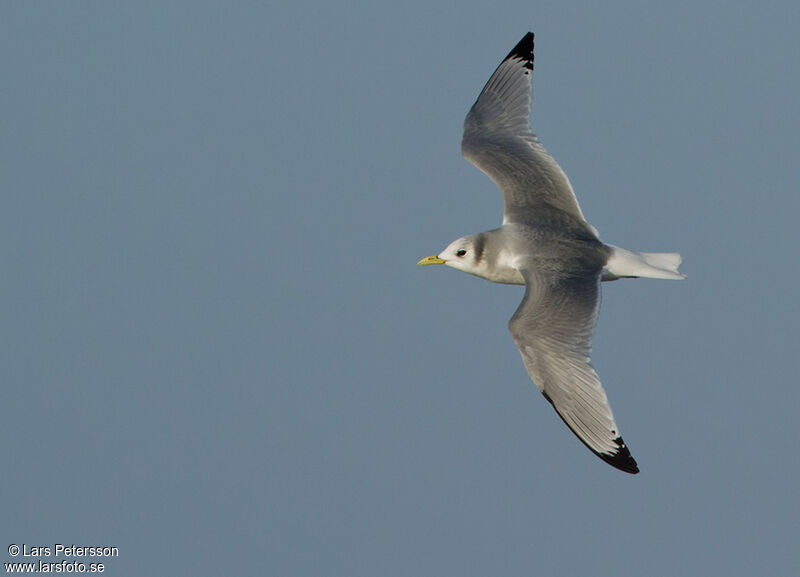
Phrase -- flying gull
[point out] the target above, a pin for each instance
(546, 244)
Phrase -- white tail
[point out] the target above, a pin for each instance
(624, 263)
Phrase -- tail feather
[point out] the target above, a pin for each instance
(627, 264)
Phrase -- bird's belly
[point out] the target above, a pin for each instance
(503, 275)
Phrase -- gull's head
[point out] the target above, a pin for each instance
(465, 254)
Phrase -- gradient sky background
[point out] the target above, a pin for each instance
(219, 356)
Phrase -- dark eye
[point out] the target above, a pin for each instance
(461, 252)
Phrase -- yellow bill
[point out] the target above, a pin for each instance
(431, 260)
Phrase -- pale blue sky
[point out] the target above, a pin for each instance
(220, 357)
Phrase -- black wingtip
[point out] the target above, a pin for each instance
(622, 459)
(524, 51)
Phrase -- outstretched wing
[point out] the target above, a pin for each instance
(498, 140)
(553, 329)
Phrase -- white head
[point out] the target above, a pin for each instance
(465, 254)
